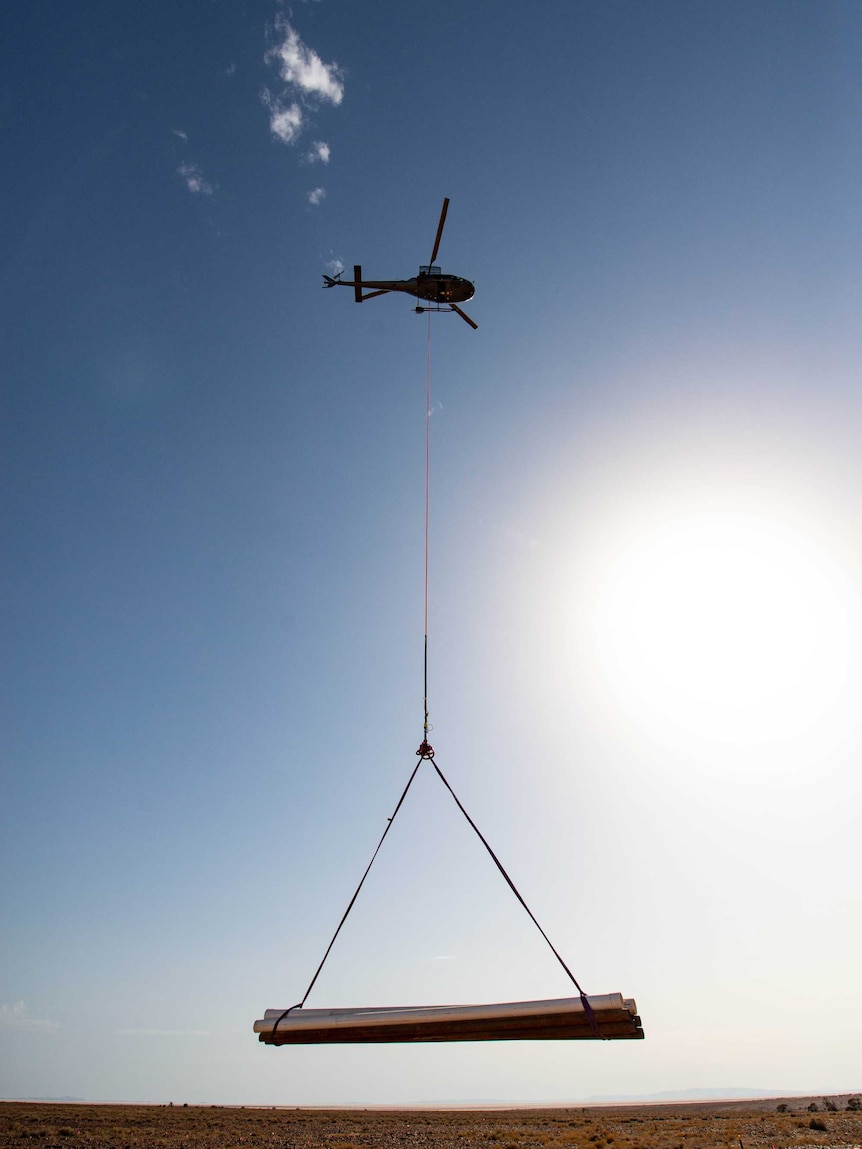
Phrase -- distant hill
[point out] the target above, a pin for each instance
(726, 1093)
(76, 1100)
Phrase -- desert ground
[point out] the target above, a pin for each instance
(714, 1125)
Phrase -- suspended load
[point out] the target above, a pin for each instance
(603, 1017)
(559, 1019)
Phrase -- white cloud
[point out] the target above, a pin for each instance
(302, 68)
(285, 122)
(334, 266)
(319, 153)
(194, 180)
(180, 134)
(15, 1017)
(306, 82)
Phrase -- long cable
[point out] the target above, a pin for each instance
(425, 725)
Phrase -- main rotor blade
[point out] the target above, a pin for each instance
(440, 229)
(464, 316)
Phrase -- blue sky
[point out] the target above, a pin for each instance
(646, 567)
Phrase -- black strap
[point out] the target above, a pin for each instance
(588, 1009)
(389, 822)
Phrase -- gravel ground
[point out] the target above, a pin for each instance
(725, 1125)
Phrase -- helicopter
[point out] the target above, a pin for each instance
(430, 284)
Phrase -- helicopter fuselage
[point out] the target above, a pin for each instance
(439, 288)
(433, 285)
(430, 284)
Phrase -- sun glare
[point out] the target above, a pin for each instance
(731, 627)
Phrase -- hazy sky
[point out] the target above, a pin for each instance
(646, 555)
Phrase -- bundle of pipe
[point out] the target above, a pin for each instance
(615, 1018)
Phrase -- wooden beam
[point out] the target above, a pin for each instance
(556, 1019)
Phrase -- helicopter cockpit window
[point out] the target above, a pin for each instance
(430, 269)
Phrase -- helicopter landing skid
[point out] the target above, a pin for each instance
(452, 309)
